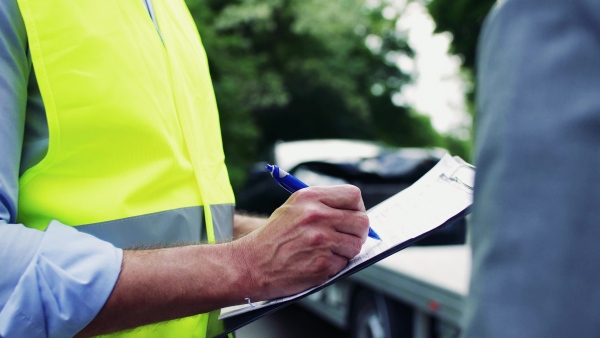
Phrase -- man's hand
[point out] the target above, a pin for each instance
(304, 242)
(310, 238)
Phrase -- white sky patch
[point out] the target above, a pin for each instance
(438, 89)
(374, 42)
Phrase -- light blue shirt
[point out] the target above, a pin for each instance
(52, 283)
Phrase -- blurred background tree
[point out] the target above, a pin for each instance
(464, 20)
(305, 69)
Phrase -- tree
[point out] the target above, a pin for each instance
(464, 20)
(304, 69)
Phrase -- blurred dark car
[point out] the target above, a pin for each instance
(378, 171)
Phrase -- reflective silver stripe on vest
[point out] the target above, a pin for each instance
(222, 216)
(165, 228)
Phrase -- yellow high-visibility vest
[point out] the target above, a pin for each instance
(134, 154)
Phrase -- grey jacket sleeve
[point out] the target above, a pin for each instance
(536, 218)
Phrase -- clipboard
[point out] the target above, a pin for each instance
(448, 186)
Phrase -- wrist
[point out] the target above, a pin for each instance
(240, 258)
(244, 224)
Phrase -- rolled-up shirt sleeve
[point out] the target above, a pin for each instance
(53, 282)
(66, 282)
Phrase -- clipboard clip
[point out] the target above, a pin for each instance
(249, 302)
(455, 177)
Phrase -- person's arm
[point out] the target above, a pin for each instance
(244, 223)
(310, 238)
(52, 283)
(535, 225)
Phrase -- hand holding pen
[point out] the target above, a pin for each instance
(292, 184)
(306, 241)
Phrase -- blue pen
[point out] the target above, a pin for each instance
(292, 184)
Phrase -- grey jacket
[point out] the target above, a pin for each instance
(536, 218)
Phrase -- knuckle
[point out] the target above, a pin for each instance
(321, 263)
(321, 267)
(312, 215)
(306, 194)
(315, 238)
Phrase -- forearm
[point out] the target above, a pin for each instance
(244, 224)
(164, 284)
(309, 239)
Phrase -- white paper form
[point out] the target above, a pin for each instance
(442, 193)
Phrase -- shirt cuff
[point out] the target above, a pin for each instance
(64, 287)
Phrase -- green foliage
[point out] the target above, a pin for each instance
(462, 18)
(301, 69)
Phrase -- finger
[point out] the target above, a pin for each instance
(347, 246)
(338, 263)
(354, 223)
(347, 197)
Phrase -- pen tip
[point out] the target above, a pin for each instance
(373, 234)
